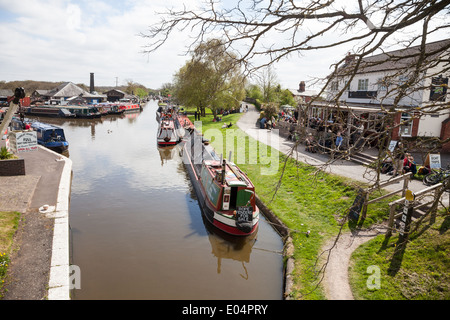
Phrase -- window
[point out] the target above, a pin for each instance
(334, 86)
(382, 84)
(406, 125)
(363, 84)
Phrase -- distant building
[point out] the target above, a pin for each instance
(64, 92)
(4, 95)
(115, 95)
(301, 95)
(379, 79)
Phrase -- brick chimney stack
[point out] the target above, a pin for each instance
(91, 86)
(349, 58)
(301, 87)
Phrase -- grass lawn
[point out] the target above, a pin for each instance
(421, 272)
(305, 200)
(9, 222)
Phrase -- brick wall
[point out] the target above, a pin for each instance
(12, 167)
(445, 134)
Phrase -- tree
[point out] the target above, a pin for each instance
(210, 79)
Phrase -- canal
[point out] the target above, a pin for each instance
(137, 231)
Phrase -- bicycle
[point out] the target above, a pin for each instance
(436, 176)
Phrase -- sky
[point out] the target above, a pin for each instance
(66, 40)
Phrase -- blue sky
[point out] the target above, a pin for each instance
(66, 40)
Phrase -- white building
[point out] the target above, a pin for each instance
(410, 81)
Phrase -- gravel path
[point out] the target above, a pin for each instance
(336, 280)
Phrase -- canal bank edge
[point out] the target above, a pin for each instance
(288, 247)
(59, 283)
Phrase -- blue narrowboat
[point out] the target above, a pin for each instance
(50, 136)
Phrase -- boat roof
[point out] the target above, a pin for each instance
(233, 176)
(44, 126)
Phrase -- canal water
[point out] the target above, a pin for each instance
(137, 231)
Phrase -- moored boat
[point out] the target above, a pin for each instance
(169, 131)
(225, 194)
(47, 111)
(50, 136)
(130, 107)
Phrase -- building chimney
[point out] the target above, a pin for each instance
(301, 87)
(349, 58)
(91, 87)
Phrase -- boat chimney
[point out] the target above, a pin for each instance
(91, 86)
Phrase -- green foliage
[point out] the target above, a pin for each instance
(9, 222)
(5, 154)
(210, 79)
(420, 272)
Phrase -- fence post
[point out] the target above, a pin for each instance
(364, 210)
(405, 184)
(391, 220)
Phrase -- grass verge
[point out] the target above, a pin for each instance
(420, 272)
(9, 222)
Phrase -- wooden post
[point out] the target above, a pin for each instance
(391, 220)
(405, 183)
(366, 203)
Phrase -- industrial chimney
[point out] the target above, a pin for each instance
(301, 87)
(91, 87)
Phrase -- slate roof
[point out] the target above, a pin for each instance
(69, 89)
(400, 59)
(6, 93)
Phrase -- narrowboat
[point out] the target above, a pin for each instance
(225, 193)
(50, 136)
(109, 109)
(170, 131)
(83, 111)
(126, 106)
(47, 111)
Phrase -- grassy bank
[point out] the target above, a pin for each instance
(420, 272)
(305, 200)
(9, 222)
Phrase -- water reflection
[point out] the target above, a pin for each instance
(167, 153)
(224, 246)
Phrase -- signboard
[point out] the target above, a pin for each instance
(435, 161)
(23, 141)
(392, 145)
(244, 214)
(405, 221)
(357, 205)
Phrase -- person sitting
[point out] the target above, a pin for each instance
(310, 143)
(409, 165)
